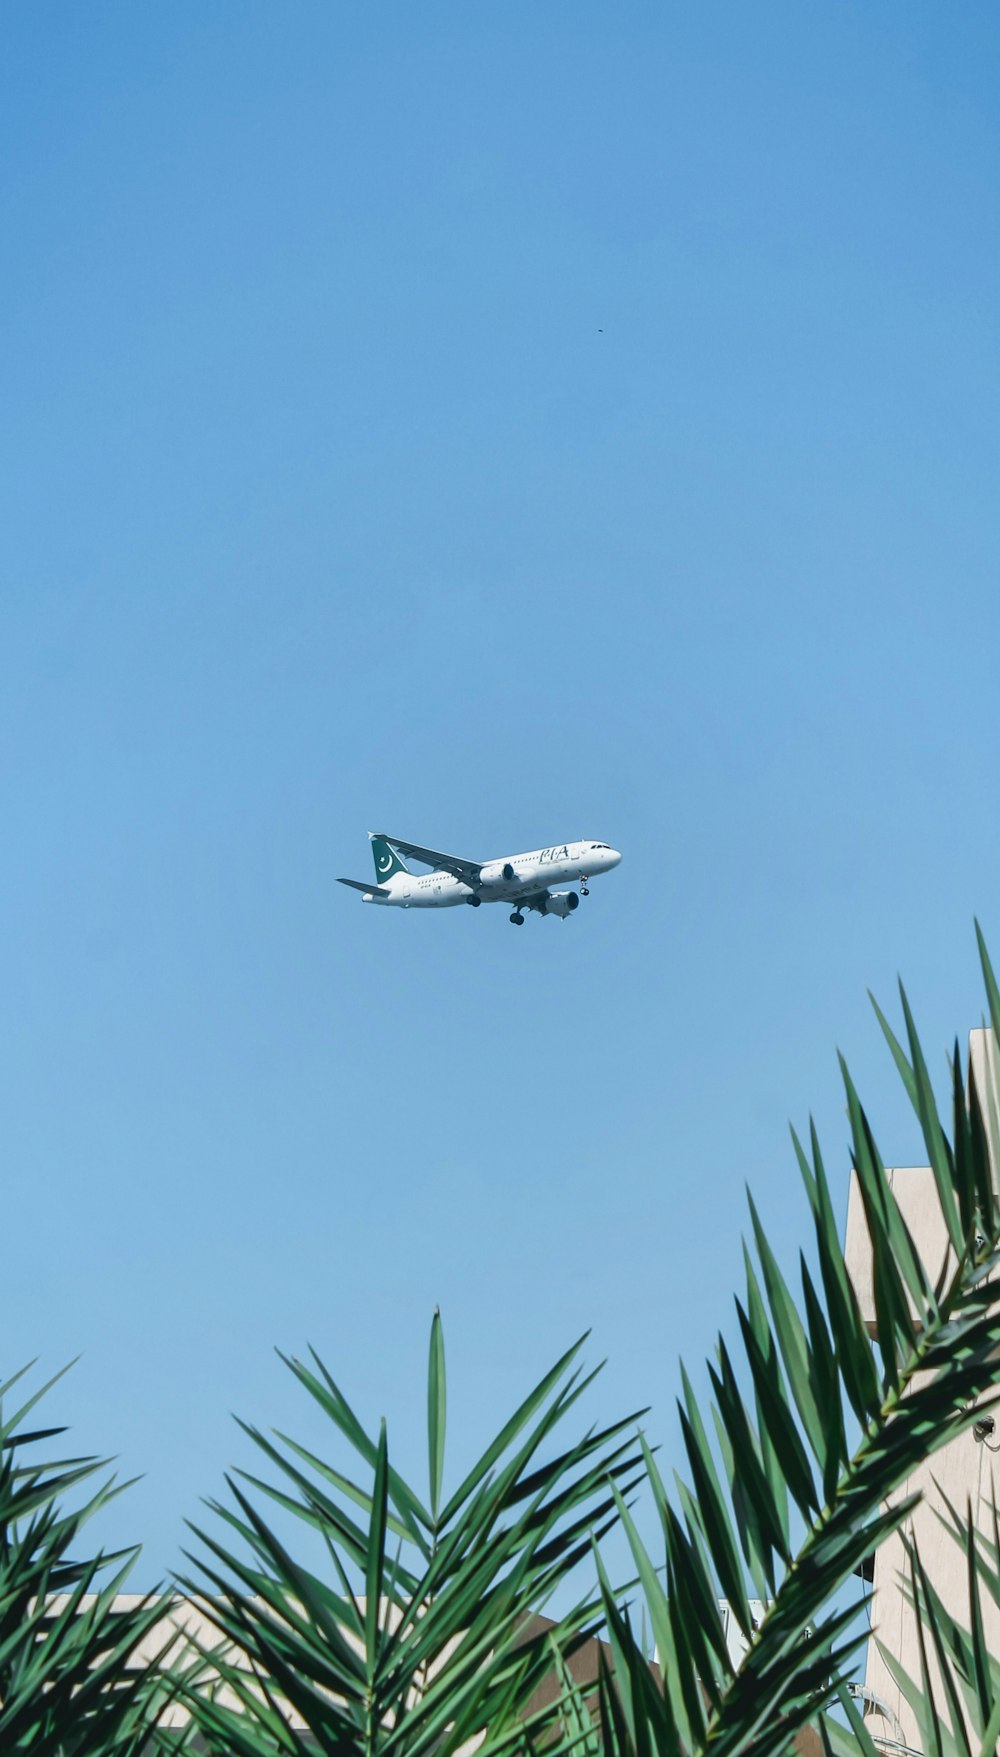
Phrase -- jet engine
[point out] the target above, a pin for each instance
(561, 903)
(498, 872)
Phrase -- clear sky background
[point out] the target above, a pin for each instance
(492, 425)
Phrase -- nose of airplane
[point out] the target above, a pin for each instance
(614, 858)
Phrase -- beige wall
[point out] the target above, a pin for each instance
(181, 1617)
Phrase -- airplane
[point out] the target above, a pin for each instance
(521, 879)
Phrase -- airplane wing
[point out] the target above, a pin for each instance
(372, 890)
(466, 870)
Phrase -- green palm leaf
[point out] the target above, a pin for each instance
(69, 1681)
(436, 1410)
(830, 1433)
(416, 1643)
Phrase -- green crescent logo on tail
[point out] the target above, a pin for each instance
(387, 861)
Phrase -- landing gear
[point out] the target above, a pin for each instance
(517, 918)
(473, 902)
(584, 891)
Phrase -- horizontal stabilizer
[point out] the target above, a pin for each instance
(371, 890)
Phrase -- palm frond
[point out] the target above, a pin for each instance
(415, 1641)
(824, 1444)
(70, 1684)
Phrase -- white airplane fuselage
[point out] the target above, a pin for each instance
(508, 880)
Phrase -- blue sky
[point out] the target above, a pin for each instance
(490, 425)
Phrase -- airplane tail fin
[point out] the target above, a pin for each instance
(387, 861)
